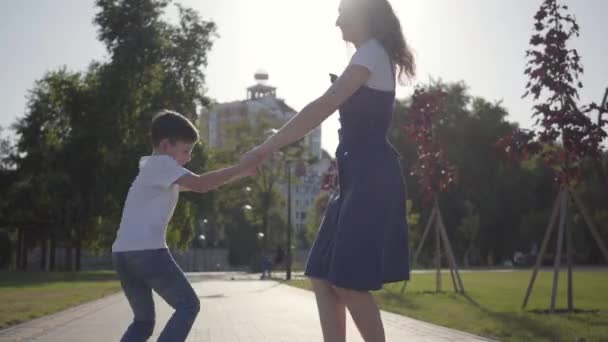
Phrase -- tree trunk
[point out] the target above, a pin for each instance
(23, 251)
(52, 253)
(18, 249)
(265, 219)
(68, 256)
(43, 251)
(70, 238)
(465, 258)
(600, 171)
(78, 251)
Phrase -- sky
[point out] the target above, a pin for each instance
(480, 42)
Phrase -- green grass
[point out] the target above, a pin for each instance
(28, 295)
(492, 307)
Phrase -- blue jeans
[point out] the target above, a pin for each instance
(140, 272)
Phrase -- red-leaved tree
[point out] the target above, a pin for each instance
(329, 179)
(553, 70)
(432, 167)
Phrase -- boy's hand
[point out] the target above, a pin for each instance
(247, 166)
(254, 158)
(251, 160)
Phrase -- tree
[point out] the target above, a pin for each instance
(469, 228)
(315, 216)
(47, 176)
(7, 176)
(502, 193)
(100, 120)
(553, 70)
(262, 190)
(435, 172)
(153, 65)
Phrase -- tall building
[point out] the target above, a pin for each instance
(262, 102)
(305, 190)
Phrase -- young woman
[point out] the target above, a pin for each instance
(362, 242)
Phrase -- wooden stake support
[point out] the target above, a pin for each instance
(561, 207)
(441, 238)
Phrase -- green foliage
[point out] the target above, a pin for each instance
(261, 192)
(79, 143)
(497, 207)
(314, 217)
(76, 152)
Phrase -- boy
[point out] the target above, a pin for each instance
(139, 253)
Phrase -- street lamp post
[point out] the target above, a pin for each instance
(202, 239)
(288, 261)
(289, 230)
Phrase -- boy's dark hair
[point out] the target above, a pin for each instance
(172, 125)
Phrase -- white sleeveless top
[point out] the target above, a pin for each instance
(373, 57)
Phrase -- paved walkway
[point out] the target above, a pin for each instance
(237, 310)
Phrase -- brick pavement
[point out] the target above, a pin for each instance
(237, 310)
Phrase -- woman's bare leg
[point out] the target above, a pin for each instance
(365, 313)
(332, 311)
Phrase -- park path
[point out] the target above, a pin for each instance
(234, 308)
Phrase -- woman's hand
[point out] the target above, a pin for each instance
(255, 157)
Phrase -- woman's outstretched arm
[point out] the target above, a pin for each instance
(313, 114)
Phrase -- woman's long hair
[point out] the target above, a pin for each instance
(384, 25)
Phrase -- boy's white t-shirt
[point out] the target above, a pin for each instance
(374, 58)
(149, 205)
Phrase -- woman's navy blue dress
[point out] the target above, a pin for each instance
(362, 242)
